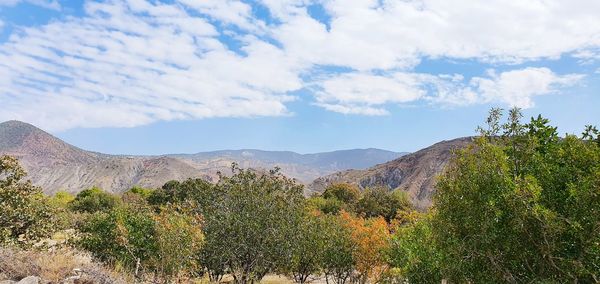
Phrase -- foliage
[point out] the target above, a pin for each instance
(179, 239)
(413, 250)
(94, 200)
(308, 246)
(61, 199)
(521, 206)
(249, 222)
(25, 215)
(135, 237)
(198, 191)
(339, 250)
(371, 239)
(325, 205)
(124, 235)
(382, 202)
(137, 195)
(64, 217)
(344, 192)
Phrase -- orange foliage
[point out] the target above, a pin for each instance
(371, 237)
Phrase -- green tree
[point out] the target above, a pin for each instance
(197, 191)
(249, 223)
(25, 215)
(307, 248)
(338, 251)
(520, 206)
(382, 202)
(124, 235)
(94, 200)
(179, 239)
(414, 251)
(344, 192)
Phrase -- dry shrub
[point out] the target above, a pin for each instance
(54, 266)
(17, 265)
(58, 265)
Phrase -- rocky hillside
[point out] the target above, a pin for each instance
(54, 164)
(304, 167)
(414, 173)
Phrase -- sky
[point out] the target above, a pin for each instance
(184, 76)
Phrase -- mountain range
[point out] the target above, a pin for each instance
(54, 164)
(414, 173)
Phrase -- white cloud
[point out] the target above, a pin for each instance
(134, 62)
(129, 65)
(518, 87)
(368, 94)
(48, 4)
(371, 34)
(361, 93)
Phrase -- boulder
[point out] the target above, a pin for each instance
(30, 280)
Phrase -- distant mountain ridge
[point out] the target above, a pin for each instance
(414, 173)
(54, 164)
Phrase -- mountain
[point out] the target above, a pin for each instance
(54, 164)
(304, 167)
(414, 173)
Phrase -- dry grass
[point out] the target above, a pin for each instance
(54, 266)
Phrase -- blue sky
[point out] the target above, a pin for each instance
(182, 76)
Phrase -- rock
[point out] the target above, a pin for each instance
(7, 282)
(30, 280)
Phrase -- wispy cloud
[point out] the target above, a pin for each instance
(134, 62)
(48, 4)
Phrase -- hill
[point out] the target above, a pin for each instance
(54, 164)
(414, 173)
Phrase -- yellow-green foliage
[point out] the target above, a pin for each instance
(25, 216)
(179, 239)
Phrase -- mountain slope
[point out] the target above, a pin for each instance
(414, 173)
(304, 167)
(54, 164)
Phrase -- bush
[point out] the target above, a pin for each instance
(94, 200)
(125, 236)
(413, 250)
(196, 191)
(179, 238)
(25, 216)
(53, 266)
(382, 202)
(346, 193)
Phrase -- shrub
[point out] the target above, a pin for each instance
(125, 236)
(382, 202)
(371, 240)
(94, 200)
(25, 216)
(53, 266)
(344, 192)
(179, 239)
(414, 252)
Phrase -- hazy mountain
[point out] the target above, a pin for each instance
(54, 164)
(304, 167)
(414, 173)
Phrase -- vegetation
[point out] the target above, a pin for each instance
(25, 216)
(94, 200)
(520, 204)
